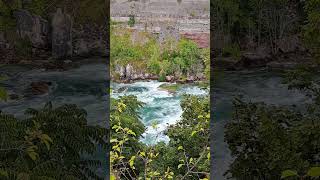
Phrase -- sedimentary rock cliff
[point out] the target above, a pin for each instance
(187, 18)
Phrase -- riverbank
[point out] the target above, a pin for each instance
(58, 65)
(254, 60)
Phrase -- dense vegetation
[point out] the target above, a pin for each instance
(172, 57)
(242, 23)
(186, 156)
(272, 142)
(51, 144)
(269, 142)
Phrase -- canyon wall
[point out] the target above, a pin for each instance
(185, 18)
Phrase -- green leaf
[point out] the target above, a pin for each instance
(143, 154)
(113, 140)
(314, 172)
(3, 94)
(288, 173)
(3, 173)
(131, 161)
(33, 155)
(193, 133)
(180, 165)
(190, 160)
(180, 148)
(112, 177)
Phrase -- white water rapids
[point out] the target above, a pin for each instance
(160, 106)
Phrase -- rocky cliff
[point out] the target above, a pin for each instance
(185, 18)
(56, 37)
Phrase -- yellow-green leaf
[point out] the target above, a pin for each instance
(288, 173)
(143, 154)
(33, 155)
(113, 140)
(3, 173)
(314, 172)
(112, 177)
(193, 133)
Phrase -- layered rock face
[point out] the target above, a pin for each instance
(35, 28)
(61, 35)
(186, 18)
(54, 37)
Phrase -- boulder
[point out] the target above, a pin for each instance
(169, 78)
(290, 44)
(253, 60)
(81, 48)
(129, 71)
(39, 88)
(122, 72)
(190, 79)
(135, 77)
(89, 47)
(200, 76)
(61, 35)
(146, 75)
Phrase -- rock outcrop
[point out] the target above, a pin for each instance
(253, 60)
(61, 35)
(89, 41)
(290, 44)
(33, 27)
(202, 39)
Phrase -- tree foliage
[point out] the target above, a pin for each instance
(268, 142)
(145, 53)
(131, 159)
(50, 144)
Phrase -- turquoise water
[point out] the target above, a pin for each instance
(86, 87)
(160, 106)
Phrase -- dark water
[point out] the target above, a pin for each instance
(255, 86)
(84, 86)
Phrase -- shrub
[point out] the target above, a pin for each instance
(131, 21)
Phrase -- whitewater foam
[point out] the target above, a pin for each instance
(160, 106)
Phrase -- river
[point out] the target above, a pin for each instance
(160, 105)
(86, 87)
(254, 86)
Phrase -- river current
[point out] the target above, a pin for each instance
(86, 87)
(161, 107)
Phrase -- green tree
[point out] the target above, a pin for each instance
(312, 29)
(132, 159)
(50, 144)
(268, 142)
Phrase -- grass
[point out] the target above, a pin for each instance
(203, 84)
(170, 87)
